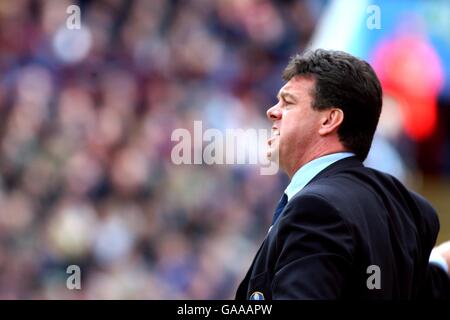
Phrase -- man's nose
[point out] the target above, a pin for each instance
(273, 113)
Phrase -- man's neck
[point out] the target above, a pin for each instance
(310, 157)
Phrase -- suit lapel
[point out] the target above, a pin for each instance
(340, 165)
(241, 293)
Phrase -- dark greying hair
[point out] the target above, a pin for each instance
(346, 82)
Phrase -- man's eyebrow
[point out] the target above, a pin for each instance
(285, 95)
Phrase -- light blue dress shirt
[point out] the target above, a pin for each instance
(308, 171)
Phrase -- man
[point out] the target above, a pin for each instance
(341, 230)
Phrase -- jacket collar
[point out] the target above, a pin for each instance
(338, 166)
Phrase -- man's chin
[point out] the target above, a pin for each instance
(273, 155)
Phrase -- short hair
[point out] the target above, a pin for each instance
(346, 82)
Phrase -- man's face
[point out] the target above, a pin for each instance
(295, 123)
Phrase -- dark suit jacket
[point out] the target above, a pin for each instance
(346, 219)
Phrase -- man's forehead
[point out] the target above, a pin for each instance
(297, 85)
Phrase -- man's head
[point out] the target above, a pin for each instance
(330, 103)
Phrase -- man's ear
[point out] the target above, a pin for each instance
(331, 119)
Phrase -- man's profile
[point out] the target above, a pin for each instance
(341, 230)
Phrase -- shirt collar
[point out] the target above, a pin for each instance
(308, 171)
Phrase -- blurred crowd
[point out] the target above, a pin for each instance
(86, 118)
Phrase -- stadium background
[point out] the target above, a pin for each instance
(86, 118)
